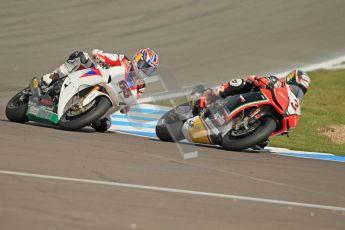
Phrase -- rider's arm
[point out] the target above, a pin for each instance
(264, 82)
(106, 60)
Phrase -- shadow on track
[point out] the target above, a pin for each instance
(30, 123)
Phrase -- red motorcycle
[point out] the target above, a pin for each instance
(236, 122)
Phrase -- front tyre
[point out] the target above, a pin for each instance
(259, 135)
(17, 107)
(72, 122)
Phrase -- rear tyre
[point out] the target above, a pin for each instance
(169, 127)
(259, 135)
(17, 107)
(98, 109)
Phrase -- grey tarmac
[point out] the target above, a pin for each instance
(201, 41)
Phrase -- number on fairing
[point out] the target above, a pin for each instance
(125, 89)
(294, 104)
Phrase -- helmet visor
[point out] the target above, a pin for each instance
(290, 78)
(146, 68)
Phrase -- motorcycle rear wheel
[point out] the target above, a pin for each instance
(74, 123)
(16, 109)
(259, 135)
(169, 127)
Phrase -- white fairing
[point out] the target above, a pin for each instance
(294, 104)
(78, 81)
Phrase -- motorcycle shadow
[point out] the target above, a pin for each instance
(217, 147)
(49, 126)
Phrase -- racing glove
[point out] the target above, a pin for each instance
(258, 81)
(206, 98)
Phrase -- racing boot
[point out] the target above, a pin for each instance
(48, 79)
(261, 146)
(101, 125)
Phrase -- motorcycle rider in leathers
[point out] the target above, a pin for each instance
(297, 80)
(144, 63)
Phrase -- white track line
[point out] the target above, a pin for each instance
(172, 190)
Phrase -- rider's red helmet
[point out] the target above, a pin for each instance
(146, 61)
(298, 78)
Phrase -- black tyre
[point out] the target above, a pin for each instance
(259, 135)
(95, 112)
(169, 127)
(16, 108)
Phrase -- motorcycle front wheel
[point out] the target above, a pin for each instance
(17, 107)
(259, 135)
(73, 120)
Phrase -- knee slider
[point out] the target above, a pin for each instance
(236, 82)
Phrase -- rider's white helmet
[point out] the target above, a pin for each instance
(298, 78)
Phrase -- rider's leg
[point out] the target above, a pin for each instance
(73, 63)
(235, 86)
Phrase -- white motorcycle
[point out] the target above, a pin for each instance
(73, 102)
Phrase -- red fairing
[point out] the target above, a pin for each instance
(279, 102)
(287, 124)
(293, 121)
(282, 98)
(284, 128)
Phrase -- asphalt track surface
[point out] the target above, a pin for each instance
(216, 39)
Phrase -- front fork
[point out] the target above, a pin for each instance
(247, 121)
(80, 105)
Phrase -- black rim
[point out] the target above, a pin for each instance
(245, 132)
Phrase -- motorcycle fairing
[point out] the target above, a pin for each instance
(294, 105)
(198, 132)
(40, 108)
(92, 72)
(237, 103)
(281, 99)
(291, 113)
(286, 124)
(40, 113)
(206, 129)
(83, 79)
(279, 96)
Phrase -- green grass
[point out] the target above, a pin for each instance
(324, 105)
